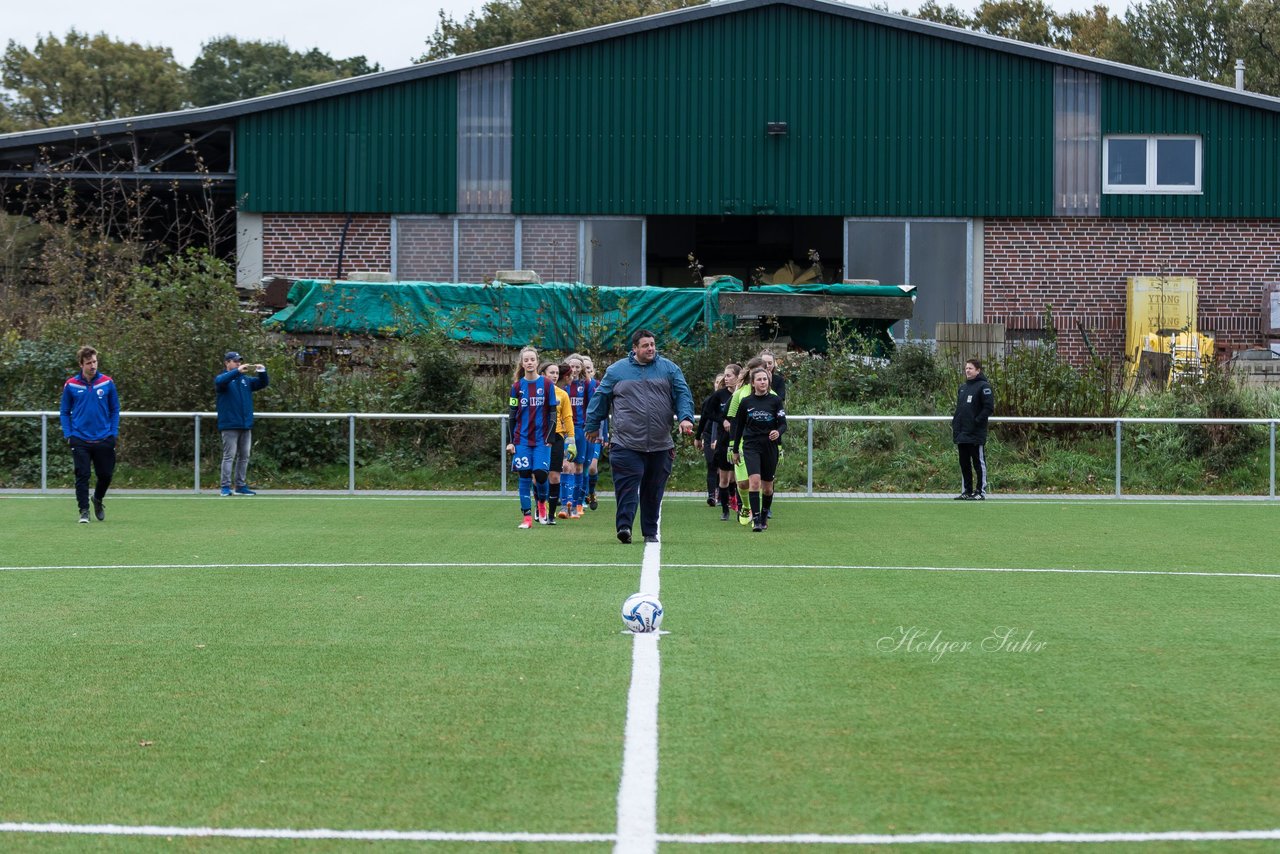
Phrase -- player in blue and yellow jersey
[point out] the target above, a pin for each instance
(533, 414)
(563, 428)
(579, 399)
(591, 457)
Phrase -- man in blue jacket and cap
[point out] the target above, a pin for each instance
(235, 387)
(641, 395)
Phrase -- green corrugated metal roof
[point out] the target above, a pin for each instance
(386, 150)
(880, 122)
(887, 116)
(451, 65)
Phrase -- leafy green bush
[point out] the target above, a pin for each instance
(31, 377)
(164, 335)
(1033, 381)
(848, 372)
(1217, 395)
(915, 373)
(701, 363)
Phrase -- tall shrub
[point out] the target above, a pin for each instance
(165, 332)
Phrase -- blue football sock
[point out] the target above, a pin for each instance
(526, 495)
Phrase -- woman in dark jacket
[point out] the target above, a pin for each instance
(974, 405)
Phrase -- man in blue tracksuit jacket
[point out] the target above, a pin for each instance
(90, 415)
(640, 395)
(235, 387)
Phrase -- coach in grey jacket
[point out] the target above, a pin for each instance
(640, 395)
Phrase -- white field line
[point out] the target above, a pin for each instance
(344, 565)
(305, 833)
(888, 568)
(971, 838)
(523, 565)
(689, 838)
(638, 788)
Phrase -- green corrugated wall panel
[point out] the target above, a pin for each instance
(1239, 150)
(386, 150)
(881, 122)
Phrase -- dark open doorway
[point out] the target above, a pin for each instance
(738, 245)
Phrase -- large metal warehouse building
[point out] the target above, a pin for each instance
(996, 177)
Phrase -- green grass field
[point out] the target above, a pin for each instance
(885, 667)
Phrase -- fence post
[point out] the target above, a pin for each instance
(1119, 427)
(809, 462)
(196, 487)
(44, 452)
(351, 454)
(1271, 491)
(502, 456)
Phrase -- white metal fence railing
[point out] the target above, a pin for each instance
(351, 418)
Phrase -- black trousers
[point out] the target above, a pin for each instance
(713, 470)
(102, 457)
(973, 467)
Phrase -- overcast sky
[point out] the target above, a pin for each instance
(390, 32)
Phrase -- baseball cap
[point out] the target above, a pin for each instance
(232, 356)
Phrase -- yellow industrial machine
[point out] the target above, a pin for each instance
(1162, 343)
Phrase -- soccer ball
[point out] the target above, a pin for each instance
(642, 613)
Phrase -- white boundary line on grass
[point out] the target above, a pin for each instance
(638, 788)
(686, 838)
(304, 833)
(969, 838)
(522, 565)
(889, 568)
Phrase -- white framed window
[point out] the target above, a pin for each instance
(1151, 164)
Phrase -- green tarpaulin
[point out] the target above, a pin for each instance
(555, 316)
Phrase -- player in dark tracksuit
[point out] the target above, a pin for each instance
(709, 429)
(975, 403)
(757, 429)
(90, 416)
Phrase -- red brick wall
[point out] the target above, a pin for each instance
(305, 246)
(550, 246)
(1080, 265)
(424, 250)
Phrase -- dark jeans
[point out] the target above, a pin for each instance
(102, 456)
(640, 477)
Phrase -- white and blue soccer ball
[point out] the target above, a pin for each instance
(642, 613)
